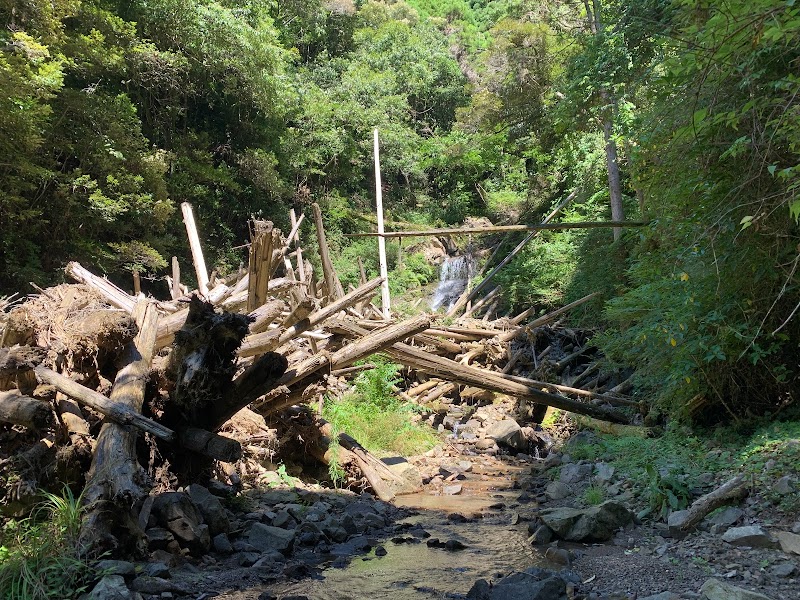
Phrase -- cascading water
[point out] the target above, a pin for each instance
(454, 276)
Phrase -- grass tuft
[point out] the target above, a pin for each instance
(39, 558)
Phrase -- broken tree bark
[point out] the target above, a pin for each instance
(197, 251)
(113, 294)
(19, 409)
(116, 480)
(332, 283)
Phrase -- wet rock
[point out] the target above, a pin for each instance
(265, 538)
(112, 587)
(714, 589)
(789, 542)
(115, 567)
(520, 586)
(557, 491)
(542, 535)
(507, 433)
(222, 544)
(593, 524)
(750, 535)
(575, 473)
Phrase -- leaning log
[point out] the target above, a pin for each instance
(113, 294)
(732, 490)
(19, 409)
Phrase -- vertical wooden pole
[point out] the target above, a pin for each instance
(137, 284)
(176, 279)
(301, 269)
(197, 251)
(385, 300)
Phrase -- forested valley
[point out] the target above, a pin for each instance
(679, 118)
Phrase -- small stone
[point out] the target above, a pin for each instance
(575, 473)
(558, 556)
(265, 537)
(784, 486)
(156, 569)
(603, 472)
(542, 535)
(210, 508)
(454, 545)
(750, 535)
(246, 559)
(789, 542)
(557, 490)
(714, 589)
(222, 544)
(727, 517)
(662, 596)
(115, 567)
(452, 490)
(783, 570)
(112, 587)
(155, 585)
(380, 551)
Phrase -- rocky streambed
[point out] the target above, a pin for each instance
(492, 522)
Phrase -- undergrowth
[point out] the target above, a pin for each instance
(39, 557)
(665, 470)
(373, 415)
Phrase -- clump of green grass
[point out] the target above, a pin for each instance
(39, 558)
(594, 494)
(374, 416)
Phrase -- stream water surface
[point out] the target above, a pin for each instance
(482, 518)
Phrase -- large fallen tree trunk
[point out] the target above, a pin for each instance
(116, 480)
(19, 409)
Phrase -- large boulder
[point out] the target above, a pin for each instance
(265, 538)
(112, 587)
(177, 513)
(410, 479)
(211, 508)
(507, 433)
(593, 524)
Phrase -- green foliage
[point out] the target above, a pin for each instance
(39, 557)
(594, 495)
(665, 492)
(376, 417)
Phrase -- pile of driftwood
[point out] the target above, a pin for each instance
(131, 395)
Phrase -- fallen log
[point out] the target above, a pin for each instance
(260, 343)
(544, 319)
(120, 413)
(19, 409)
(113, 294)
(732, 490)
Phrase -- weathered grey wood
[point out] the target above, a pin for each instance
(265, 315)
(113, 294)
(19, 409)
(120, 413)
(210, 444)
(332, 282)
(259, 343)
(197, 250)
(732, 490)
(116, 481)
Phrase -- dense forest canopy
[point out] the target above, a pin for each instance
(112, 113)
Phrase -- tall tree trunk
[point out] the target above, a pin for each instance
(609, 109)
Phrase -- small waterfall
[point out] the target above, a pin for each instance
(454, 276)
